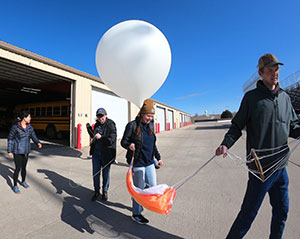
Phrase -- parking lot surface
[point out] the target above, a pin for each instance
(57, 204)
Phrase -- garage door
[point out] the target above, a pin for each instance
(116, 107)
(171, 118)
(181, 120)
(161, 119)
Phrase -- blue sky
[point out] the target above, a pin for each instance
(215, 44)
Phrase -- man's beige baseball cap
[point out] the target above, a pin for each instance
(268, 60)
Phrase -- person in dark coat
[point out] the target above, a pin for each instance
(103, 151)
(140, 141)
(18, 147)
(269, 118)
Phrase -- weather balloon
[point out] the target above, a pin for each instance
(133, 58)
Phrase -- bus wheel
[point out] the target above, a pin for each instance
(51, 132)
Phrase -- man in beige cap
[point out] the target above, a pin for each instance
(270, 119)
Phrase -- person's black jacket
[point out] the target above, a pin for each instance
(130, 136)
(18, 141)
(269, 119)
(108, 139)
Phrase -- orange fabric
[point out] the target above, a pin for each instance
(160, 203)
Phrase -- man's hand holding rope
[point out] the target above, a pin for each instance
(222, 149)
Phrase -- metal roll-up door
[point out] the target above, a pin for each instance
(171, 118)
(181, 119)
(161, 118)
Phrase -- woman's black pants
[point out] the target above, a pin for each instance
(20, 162)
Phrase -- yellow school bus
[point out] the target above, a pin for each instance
(51, 117)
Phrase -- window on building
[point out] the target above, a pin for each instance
(64, 110)
(56, 111)
(43, 111)
(31, 111)
(49, 111)
(38, 111)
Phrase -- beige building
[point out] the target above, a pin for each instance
(44, 87)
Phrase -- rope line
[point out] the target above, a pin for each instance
(268, 167)
(186, 179)
(101, 169)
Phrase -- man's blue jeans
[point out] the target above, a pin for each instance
(277, 187)
(143, 177)
(97, 164)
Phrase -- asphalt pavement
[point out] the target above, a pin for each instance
(57, 204)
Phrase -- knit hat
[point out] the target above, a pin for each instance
(148, 107)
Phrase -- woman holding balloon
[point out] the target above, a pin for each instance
(140, 141)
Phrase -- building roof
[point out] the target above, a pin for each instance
(45, 60)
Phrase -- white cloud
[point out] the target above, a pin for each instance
(189, 96)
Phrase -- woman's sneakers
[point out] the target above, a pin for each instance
(24, 184)
(139, 219)
(16, 189)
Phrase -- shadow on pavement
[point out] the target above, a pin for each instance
(4, 155)
(7, 173)
(86, 216)
(47, 150)
(215, 127)
(63, 140)
(56, 149)
(50, 147)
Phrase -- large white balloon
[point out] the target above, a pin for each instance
(133, 59)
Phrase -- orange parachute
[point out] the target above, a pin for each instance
(158, 198)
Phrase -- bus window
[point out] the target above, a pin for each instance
(64, 110)
(38, 111)
(56, 111)
(31, 111)
(43, 111)
(49, 111)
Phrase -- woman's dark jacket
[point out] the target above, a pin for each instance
(18, 141)
(130, 136)
(107, 142)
